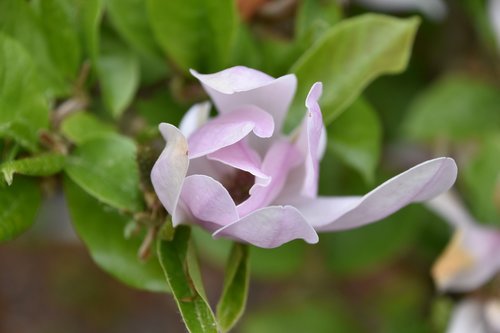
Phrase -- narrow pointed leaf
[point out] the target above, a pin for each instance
(234, 295)
(42, 165)
(186, 288)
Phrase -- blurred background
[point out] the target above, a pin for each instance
(373, 279)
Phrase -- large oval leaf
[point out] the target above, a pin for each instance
(106, 168)
(348, 57)
(102, 230)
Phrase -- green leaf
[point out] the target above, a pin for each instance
(61, 35)
(23, 104)
(20, 203)
(19, 20)
(106, 168)
(234, 295)
(92, 11)
(118, 70)
(456, 107)
(189, 296)
(102, 230)
(82, 126)
(42, 165)
(355, 137)
(130, 19)
(196, 34)
(481, 177)
(348, 57)
(314, 18)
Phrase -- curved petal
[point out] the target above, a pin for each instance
(310, 139)
(241, 156)
(240, 85)
(196, 116)
(270, 227)
(467, 317)
(419, 183)
(207, 200)
(492, 314)
(229, 128)
(169, 171)
(279, 160)
(469, 261)
(494, 13)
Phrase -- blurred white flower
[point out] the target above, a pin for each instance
(494, 14)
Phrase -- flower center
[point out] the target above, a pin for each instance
(238, 185)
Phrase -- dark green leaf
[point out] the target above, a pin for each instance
(456, 107)
(42, 165)
(82, 126)
(24, 108)
(234, 295)
(102, 230)
(106, 168)
(355, 137)
(348, 57)
(19, 204)
(196, 34)
(189, 295)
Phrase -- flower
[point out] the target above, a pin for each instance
(469, 261)
(473, 255)
(238, 176)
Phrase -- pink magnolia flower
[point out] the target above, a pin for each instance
(238, 176)
(475, 316)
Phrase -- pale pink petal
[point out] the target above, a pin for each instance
(169, 171)
(196, 116)
(470, 260)
(270, 227)
(449, 207)
(207, 200)
(229, 128)
(417, 184)
(494, 14)
(240, 85)
(492, 314)
(241, 156)
(279, 160)
(311, 138)
(467, 317)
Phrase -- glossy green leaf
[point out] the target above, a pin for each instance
(82, 126)
(130, 19)
(481, 177)
(234, 295)
(19, 20)
(356, 138)
(41, 165)
(92, 11)
(174, 256)
(456, 107)
(106, 168)
(19, 204)
(101, 228)
(118, 70)
(348, 57)
(196, 34)
(24, 109)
